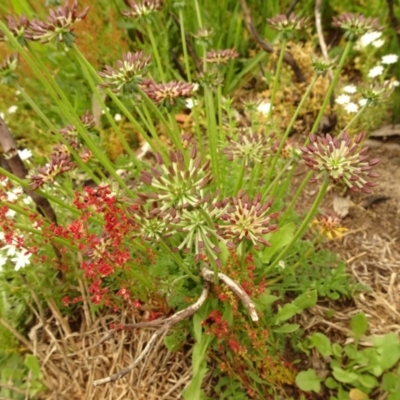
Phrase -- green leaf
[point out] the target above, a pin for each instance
(264, 301)
(330, 383)
(306, 300)
(286, 312)
(344, 376)
(32, 363)
(368, 381)
(337, 350)
(359, 324)
(322, 344)
(174, 340)
(388, 349)
(308, 381)
(356, 394)
(278, 240)
(287, 328)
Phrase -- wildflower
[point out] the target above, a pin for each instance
(264, 107)
(168, 93)
(142, 9)
(204, 36)
(390, 59)
(376, 94)
(247, 220)
(118, 117)
(59, 25)
(351, 107)
(329, 225)
(351, 89)
(376, 71)
(10, 213)
(128, 73)
(250, 146)
(341, 159)
(355, 25)
(221, 56)
(369, 38)
(24, 154)
(8, 68)
(12, 109)
(88, 120)
(21, 260)
(190, 103)
(287, 26)
(17, 27)
(321, 66)
(176, 185)
(378, 43)
(343, 99)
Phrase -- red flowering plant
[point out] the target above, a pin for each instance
(203, 224)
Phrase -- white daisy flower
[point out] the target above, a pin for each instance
(118, 117)
(378, 43)
(343, 99)
(264, 107)
(368, 38)
(24, 154)
(12, 109)
(21, 260)
(11, 249)
(190, 103)
(350, 89)
(390, 59)
(2, 115)
(376, 71)
(351, 108)
(362, 102)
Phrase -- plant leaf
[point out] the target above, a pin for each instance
(308, 381)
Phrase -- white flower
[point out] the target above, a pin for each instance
(390, 59)
(10, 213)
(376, 71)
(190, 103)
(103, 111)
(12, 196)
(264, 107)
(2, 115)
(3, 260)
(21, 260)
(118, 117)
(368, 38)
(350, 89)
(12, 109)
(351, 108)
(24, 154)
(11, 249)
(362, 102)
(17, 92)
(378, 43)
(343, 99)
(393, 84)
(2, 236)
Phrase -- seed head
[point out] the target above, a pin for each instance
(288, 27)
(59, 25)
(342, 159)
(248, 220)
(142, 9)
(221, 56)
(355, 25)
(321, 66)
(8, 68)
(128, 74)
(329, 224)
(374, 95)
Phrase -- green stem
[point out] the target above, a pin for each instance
(155, 52)
(219, 108)
(184, 47)
(302, 228)
(355, 118)
(198, 14)
(239, 182)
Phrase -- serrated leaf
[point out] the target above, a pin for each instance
(287, 328)
(308, 381)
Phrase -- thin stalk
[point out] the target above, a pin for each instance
(178, 260)
(184, 46)
(155, 52)
(212, 133)
(198, 14)
(271, 187)
(219, 109)
(239, 182)
(302, 228)
(255, 174)
(277, 76)
(355, 118)
(331, 88)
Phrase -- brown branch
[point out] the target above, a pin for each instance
(166, 324)
(18, 169)
(208, 275)
(266, 46)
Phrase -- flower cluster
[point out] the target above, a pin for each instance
(355, 25)
(128, 74)
(142, 9)
(250, 146)
(59, 25)
(342, 160)
(168, 94)
(287, 26)
(8, 68)
(18, 28)
(221, 56)
(329, 224)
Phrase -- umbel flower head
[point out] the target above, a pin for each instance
(250, 146)
(329, 224)
(177, 185)
(59, 25)
(128, 74)
(167, 94)
(249, 220)
(342, 159)
(141, 9)
(287, 26)
(17, 27)
(356, 25)
(374, 95)
(221, 56)
(8, 68)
